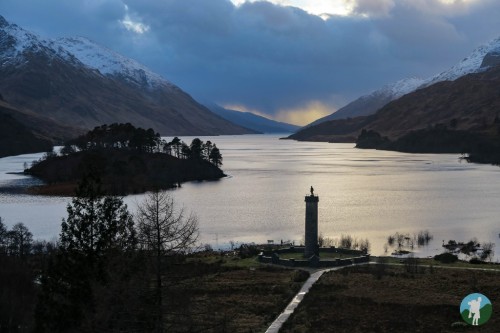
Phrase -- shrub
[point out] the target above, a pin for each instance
(476, 261)
(446, 258)
(300, 276)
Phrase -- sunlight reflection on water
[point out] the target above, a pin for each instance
(366, 193)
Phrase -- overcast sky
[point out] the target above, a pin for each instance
(294, 60)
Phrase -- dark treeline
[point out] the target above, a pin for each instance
(107, 272)
(128, 137)
(476, 147)
(127, 160)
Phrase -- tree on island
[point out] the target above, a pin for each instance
(215, 156)
(164, 230)
(176, 144)
(129, 159)
(196, 149)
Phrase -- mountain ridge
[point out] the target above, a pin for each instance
(460, 116)
(253, 121)
(438, 94)
(61, 80)
(478, 60)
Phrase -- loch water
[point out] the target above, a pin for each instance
(364, 193)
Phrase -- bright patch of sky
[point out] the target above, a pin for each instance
(132, 25)
(324, 8)
(316, 7)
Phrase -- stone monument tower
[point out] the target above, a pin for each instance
(311, 234)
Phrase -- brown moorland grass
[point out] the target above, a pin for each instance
(217, 294)
(371, 299)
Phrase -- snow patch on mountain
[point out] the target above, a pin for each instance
(469, 65)
(108, 62)
(399, 88)
(80, 51)
(15, 40)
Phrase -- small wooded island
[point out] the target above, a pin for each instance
(128, 160)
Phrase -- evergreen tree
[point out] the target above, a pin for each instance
(196, 149)
(215, 156)
(185, 150)
(176, 144)
(207, 148)
(97, 228)
(96, 223)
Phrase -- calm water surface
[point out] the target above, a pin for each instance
(365, 193)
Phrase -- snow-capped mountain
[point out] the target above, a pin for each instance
(474, 63)
(80, 83)
(108, 62)
(90, 54)
(401, 87)
(479, 60)
(369, 104)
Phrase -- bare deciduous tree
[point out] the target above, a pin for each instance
(164, 230)
(20, 240)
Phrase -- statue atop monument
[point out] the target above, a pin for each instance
(312, 191)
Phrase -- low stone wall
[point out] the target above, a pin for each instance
(314, 261)
(332, 249)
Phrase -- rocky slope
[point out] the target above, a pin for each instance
(81, 84)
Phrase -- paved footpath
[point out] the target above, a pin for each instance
(283, 317)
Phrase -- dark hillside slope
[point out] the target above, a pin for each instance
(78, 83)
(23, 132)
(16, 139)
(470, 103)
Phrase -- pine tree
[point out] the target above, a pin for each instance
(215, 156)
(98, 227)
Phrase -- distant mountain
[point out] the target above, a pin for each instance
(252, 121)
(369, 104)
(480, 59)
(82, 84)
(469, 103)
(460, 116)
(439, 99)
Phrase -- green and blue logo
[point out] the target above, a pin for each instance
(476, 309)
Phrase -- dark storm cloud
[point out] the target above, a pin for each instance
(268, 57)
(56, 18)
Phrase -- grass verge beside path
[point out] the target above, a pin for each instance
(221, 293)
(388, 298)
